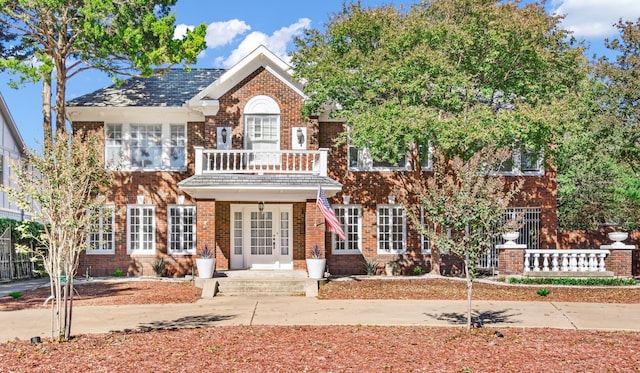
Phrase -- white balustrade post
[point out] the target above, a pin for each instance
(323, 161)
(573, 263)
(536, 262)
(593, 263)
(545, 262)
(602, 264)
(198, 150)
(565, 262)
(527, 265)
(554, 261)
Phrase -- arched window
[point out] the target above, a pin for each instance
(262, 123)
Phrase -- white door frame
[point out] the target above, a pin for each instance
(280, 244)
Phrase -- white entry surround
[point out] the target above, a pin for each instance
(261, 239)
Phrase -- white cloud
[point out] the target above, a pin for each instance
(181, 31)
(595, 18)
(222, 33)
(277, 43)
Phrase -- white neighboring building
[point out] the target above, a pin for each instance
(12, 149)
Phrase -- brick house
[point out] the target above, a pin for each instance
(224, 158)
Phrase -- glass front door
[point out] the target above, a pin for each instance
(261, 239)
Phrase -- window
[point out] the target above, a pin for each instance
(425, 243)
(100, 237)
(262, 128)
(182, 229)
(391, 229)
(350, 216)
(145, 146)
(361, 160)
(141, 229)
(524, 162)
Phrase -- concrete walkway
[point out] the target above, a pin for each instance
(278, 310)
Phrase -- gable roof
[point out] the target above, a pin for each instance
(171, 89)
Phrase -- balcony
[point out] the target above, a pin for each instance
(260, 162)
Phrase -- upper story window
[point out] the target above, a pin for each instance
(146, 146)
(524, 162)
(361, 160)
(262, 123)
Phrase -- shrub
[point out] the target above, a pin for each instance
(370, 266)
(15, 294)
(543, 292)
(417, 271)
(117, 273)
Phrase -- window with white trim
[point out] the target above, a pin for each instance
(524, 162)
(138, 146)
(100, 239)
(360, 160)
(392, 223)
(262, 127)
(181, 226)
(350, 217)
(141, 229)
(425, 247)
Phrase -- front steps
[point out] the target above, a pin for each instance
(259, 283)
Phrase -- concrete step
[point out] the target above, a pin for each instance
(258, 287)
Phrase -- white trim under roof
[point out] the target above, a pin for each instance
(142, 114)
(249, 193)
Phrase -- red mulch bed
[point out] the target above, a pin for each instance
(331, 348)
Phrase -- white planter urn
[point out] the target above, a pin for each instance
(206, 266)
(617, 238)
(315, 268)
(510, 237)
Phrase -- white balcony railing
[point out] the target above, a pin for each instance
(565, 260)
(209, 161)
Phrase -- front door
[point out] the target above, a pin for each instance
(261, 239)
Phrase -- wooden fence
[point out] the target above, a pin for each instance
(13, 265)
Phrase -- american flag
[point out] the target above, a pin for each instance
(332, 223)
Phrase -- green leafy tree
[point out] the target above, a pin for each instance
(57, 39)
(62, 190)
(456, 75)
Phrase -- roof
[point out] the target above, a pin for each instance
(171, 89)
(249, 187)
(263, 181)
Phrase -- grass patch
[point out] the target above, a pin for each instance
(573, 281)
(542, 292)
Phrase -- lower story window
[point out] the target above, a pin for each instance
(100, 237)
(182, 233)
(141, 229)
(426, 244)
(349, 216)
(391, 229)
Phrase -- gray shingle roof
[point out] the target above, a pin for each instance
(266, 181)
(172, 88)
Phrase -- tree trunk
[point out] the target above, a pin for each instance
(435, 261)
(46, 110)
(469, 290)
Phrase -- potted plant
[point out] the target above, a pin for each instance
(205, 263)
(511, 233)
(316, 264)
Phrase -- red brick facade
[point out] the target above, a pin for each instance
(213, 227)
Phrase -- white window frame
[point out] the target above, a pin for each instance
(140, 232)
(516, 169)
(364, 162)
(351, 218)
(119, 146)
(425, 243)
(390, 220)
(98, 237)
(180, 227)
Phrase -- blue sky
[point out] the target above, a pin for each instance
(237, 27)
